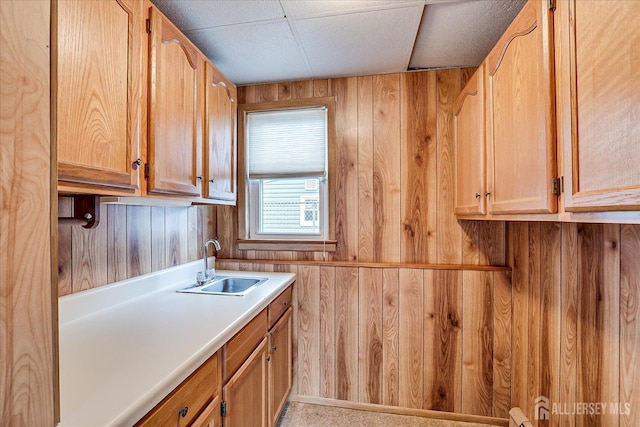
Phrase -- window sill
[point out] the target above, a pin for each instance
(288, 245)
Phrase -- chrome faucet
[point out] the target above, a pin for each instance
(209, 273)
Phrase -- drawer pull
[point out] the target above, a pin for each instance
(183, 411)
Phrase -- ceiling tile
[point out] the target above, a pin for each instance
(361, 43)
(461, 34)
(253, 53)
(309, 8)
(197, 14)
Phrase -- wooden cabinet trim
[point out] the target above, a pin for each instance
(279, 306)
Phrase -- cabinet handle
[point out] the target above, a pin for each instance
(199, 178)
(183, 411)
(486, 194)
(274, 348)
(211, 180)
(268, 358)
(477, 195)
(135, 164)
(284, 303)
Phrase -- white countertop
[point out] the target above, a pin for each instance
(125, 346)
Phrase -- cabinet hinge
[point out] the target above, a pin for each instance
(557, 185)
(552, 5)
(148, 26)
(147, 170)
(223, 408)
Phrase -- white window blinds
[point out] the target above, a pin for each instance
(287, 143)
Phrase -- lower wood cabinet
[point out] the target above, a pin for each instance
(195, 402)
(257, 367)
(280, 369)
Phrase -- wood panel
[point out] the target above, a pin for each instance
(443, 340)
(370, 335)
(327, 332)
(116, 242)
(578, 325)
(502, 318)
(477, 343)
(28, 313)
(418, 165)
(390, 338)
(410, 338)
(309, 330)
(346, 340)
(138, 237)
(365, 169)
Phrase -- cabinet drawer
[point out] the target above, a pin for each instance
(196, 394)
(279, 306)
(240, 347)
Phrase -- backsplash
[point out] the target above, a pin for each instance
(128, 242)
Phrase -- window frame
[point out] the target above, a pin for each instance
(245, 241)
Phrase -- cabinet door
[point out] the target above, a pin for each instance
(521, 123)
(469, 122)
(599, 103)
(98, 97)
(175, 111)
(220, 136)
(245, 395)
(280, 366)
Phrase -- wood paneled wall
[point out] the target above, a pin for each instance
(394, 171)
(411, 337)
(129, 241)
(576, 320)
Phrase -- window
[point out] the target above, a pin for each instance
(285, 166)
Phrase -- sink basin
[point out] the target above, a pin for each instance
(223, 285)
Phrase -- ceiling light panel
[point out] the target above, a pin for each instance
(253, 53)
(362, 43)
(197, 14)
(461, 34)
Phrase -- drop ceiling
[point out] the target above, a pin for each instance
(260, 41)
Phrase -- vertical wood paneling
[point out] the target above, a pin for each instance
(139, 238)
(630, 324)
(491, 242)
(443, 340)
(470, 240)
(346, 167)
(347, 333)
(502, 344)
(550, 313)
(448, 230)
(158, 247)
(327, 332)
(390, 342)
(533, 321)
(519, 233)
(410, 338)
(116, 243)
(386, 167)
(370, 325)
(89, 257)
(192, 234)
(295, 90)
(321, 88)
(308, 285)
(569, 321)
(365, 169)
(176, 235)
(477, 343)
(598, 320)
(418, 160)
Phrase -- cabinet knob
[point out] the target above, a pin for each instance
(135, 164)
(212, 181)
(199, 178)
(274, 348)
(477, 195)
(183, 411)
(284, 303)
(268, 358)
(486, 194)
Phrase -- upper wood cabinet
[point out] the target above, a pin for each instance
(520, 115)
(175, 110)
(598, 69)
(469, 124)
(99, 47)
(220, 137)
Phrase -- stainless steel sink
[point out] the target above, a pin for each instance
(224, 285)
